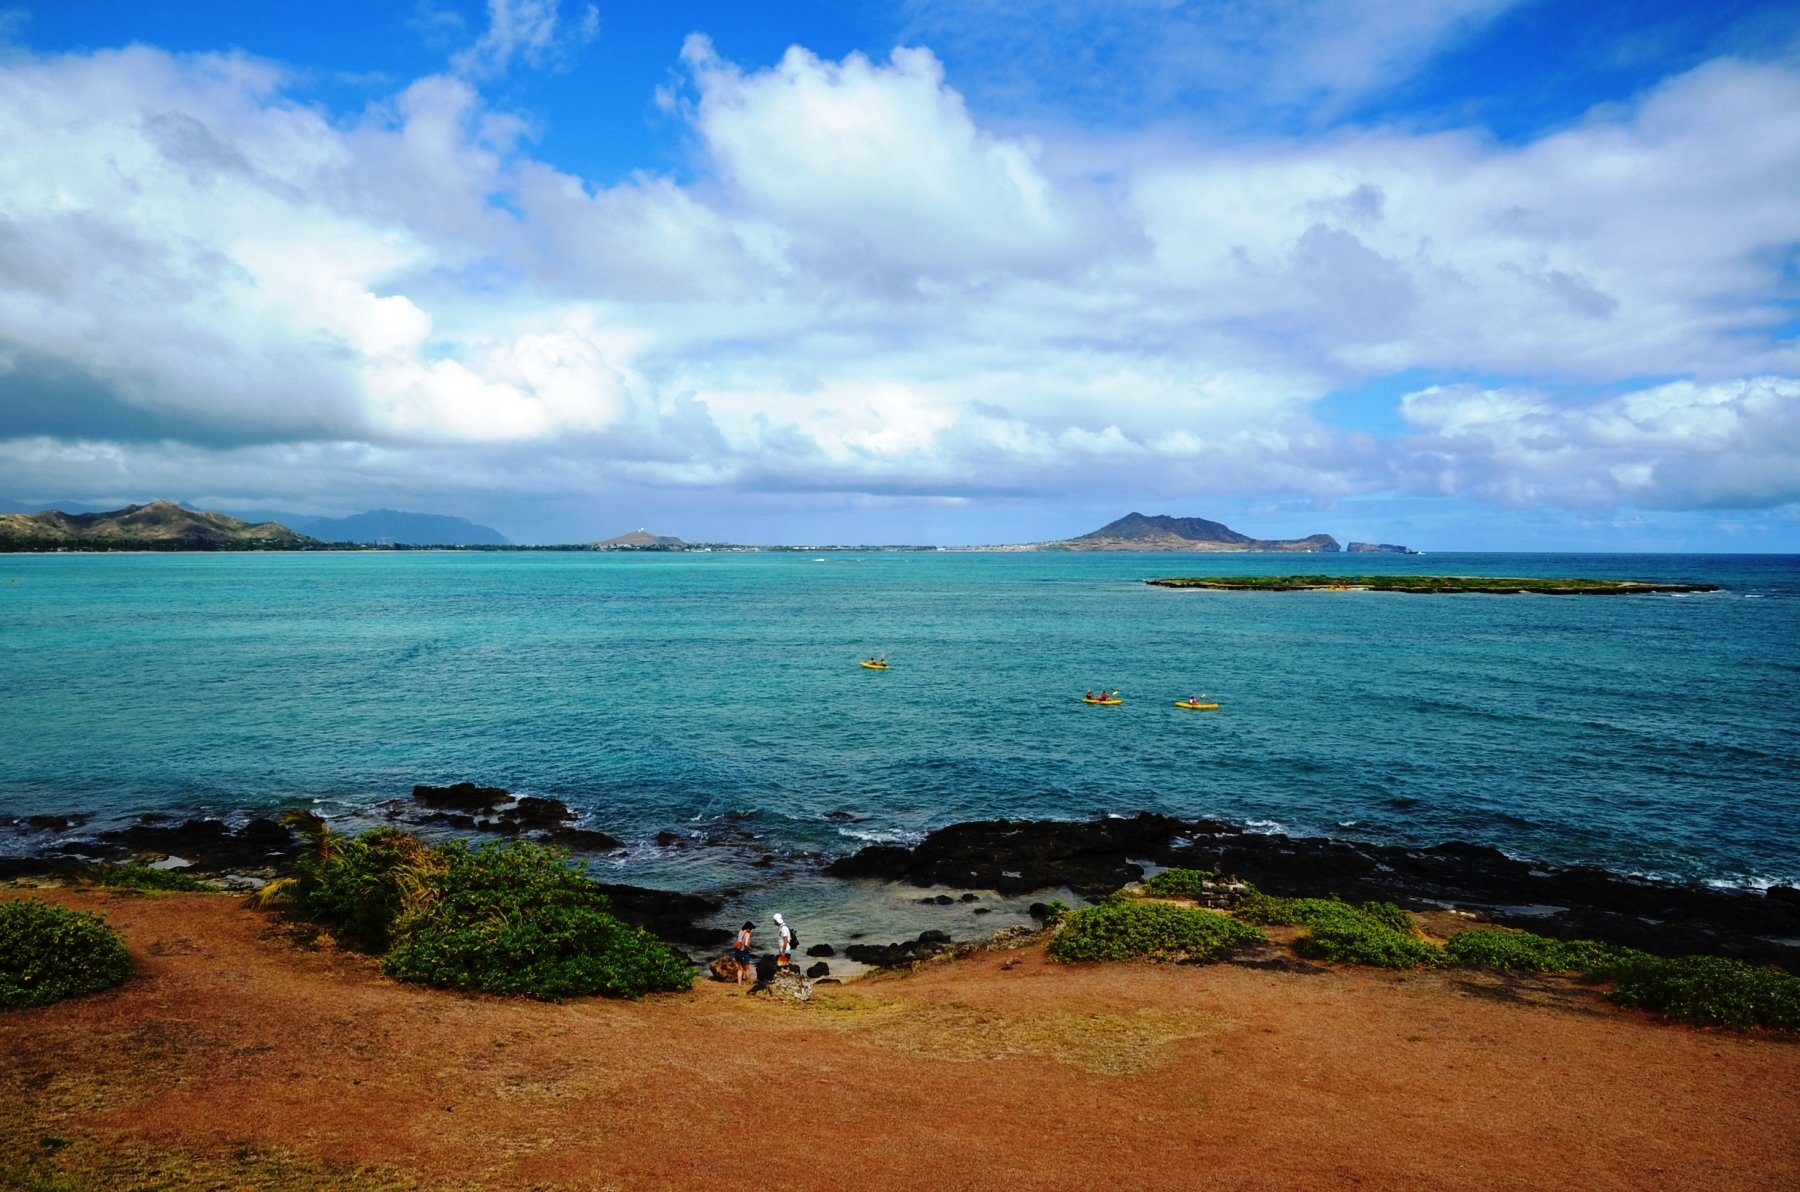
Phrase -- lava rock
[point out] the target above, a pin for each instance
(583, 840)
(821, 950)
(668, 915)
(462, 796)
(820, 969)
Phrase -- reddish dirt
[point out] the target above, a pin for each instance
(1001, 1070)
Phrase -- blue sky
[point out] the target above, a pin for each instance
(1474, 275)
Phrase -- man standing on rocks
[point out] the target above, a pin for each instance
(786, 942)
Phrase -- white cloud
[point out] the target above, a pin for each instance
(1724, 445)
(529, 31)
(865, 291)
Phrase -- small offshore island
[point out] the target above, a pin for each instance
(1425, 584)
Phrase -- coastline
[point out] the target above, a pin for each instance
(998, 868)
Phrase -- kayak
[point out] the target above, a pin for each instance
(873, 664)
(1196, 705)
(1111, 701)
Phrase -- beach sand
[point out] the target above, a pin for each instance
(239, 1058)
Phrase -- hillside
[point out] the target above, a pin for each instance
(640, 539)
(160, 525)
(1137, 531)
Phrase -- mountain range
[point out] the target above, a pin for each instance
(160, 524)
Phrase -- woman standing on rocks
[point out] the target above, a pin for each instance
(741, 952)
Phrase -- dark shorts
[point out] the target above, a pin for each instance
(741, 956)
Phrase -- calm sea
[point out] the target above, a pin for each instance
(697, 693)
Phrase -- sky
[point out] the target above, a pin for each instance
(1471, 275)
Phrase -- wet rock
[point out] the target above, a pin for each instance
(461, 796)
(668, 839)
(970, 897)
(211, 845)
(820, 969)
(446, 819)
(1093, 859)
(670, 916)
(583, 840)
(821, 950)
(535, 813)
(897, 955)
(54, 823)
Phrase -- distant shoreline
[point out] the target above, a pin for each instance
(1427, 585)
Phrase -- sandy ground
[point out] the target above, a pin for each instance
(237, 1058)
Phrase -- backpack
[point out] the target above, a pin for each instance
(793, 939)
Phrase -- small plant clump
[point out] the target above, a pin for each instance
(1521, 951)
(49, 952)
(1703, 990)
(509, 918)
(1378, 934)
(1148, 930)
(1180, 883)
(142, 877)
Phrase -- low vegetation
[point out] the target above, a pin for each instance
(142, 877)
(1379, 934)
(49, 952)
(1133, 929)
(1704, 990)
(1521, 951)
(1180, 883)
(507, 917)
(1426, 584)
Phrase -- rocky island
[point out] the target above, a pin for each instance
(1428, 584)
(1159, 532)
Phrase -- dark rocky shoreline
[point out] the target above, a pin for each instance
(1090, 858)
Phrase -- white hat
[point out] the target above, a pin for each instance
(779, 919)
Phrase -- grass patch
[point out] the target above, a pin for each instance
(1147, 930)
(1378, 934)
(1180, 883)
(1703, 990)
(1521, 951)
(135, 876)
(48, 953)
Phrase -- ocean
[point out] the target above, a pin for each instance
(717, 697)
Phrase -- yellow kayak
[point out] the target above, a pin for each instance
(1196, 705)
(1111, 701)
(874, 663)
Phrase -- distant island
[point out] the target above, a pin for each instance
(1139, 532)
(173, 526)
(1429, 584)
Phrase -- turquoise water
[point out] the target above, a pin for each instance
(692, 691)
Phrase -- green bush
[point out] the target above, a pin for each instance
(141, 877)
(516, 918)
(361, 885)
(48, 953)
(1179, 883)
(1704, 990)
(1370, 934)
(1154, 930)
(1521, 950)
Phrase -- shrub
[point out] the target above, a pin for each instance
(361, 886)
(1704, 990)
(1179, 883)
(141, 877)
(1368, 934)
(1154, 930)
(516, 918)
(48, 953)
(1521, 950)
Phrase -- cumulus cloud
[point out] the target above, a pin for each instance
(1726, 445)
(862, 289)
(530, 31)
